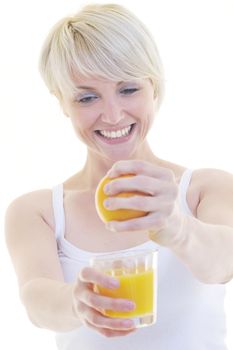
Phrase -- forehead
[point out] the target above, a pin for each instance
(94, 80)
(82, 82)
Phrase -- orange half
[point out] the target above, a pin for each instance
(119, 214)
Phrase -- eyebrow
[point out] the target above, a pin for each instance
(85, 88)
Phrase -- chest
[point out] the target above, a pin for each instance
(84, 229)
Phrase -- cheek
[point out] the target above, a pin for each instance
(146, 114)
(145, 110)
(80, 126)
(82, 121)
(80, 129)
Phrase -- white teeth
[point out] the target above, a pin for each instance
(116, 134)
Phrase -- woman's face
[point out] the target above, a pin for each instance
(111, 118)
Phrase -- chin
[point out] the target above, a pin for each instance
(116, 154)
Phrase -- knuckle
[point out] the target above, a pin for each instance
(85, 322)
(169, 174)
(151, 204)
(90, 298)
(138, 202)
(143, 180)
(94, 319)
(79, 307)
(104, 332)
(140, 166)
(117, 166)
(113, 324)
(114, 304)
(159, 220)
(171, 193)
(134, 225)
(76, 290)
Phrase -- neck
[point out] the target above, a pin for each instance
(97, 166)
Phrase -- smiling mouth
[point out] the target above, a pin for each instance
(116, 134)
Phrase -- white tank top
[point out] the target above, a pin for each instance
(190, 314)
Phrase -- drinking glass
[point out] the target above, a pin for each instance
(136, 271)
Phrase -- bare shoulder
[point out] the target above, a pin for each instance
(209, 180)
(30, 238)
(215, 188)
(37, 202)
(35, 198)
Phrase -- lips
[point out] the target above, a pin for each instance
(116, 135)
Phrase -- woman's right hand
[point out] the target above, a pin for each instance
(89, 305)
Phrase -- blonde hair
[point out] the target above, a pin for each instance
(104, 40)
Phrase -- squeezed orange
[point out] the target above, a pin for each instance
(118, 214)
(138, 287)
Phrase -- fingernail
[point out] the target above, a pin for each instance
(106, 203)
(129, 305)
(114, 284)
(106, 189)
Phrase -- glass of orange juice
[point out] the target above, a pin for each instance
(136, 271)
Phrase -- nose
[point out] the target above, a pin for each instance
(112, 112)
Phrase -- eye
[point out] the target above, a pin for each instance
(129, 91)
(86, 99)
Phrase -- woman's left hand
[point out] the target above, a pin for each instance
(164, 220)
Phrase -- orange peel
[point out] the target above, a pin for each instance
(107, 215)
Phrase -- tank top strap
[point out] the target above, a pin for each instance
(58, 210)
(183, 188)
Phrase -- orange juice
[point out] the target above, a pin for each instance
(138, 287)
(136, 271)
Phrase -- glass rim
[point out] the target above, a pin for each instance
(123, 254)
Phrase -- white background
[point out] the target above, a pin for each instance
(39, 148)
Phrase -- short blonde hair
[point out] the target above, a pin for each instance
(104, 40)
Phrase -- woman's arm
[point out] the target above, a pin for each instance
(50, 302)
(204, 243)
(33, 250)
(207, 250)
(207, 247)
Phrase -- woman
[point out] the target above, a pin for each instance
(105, 70)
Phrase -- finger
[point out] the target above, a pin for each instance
(100, 302)
(139, 167)
(101, 321)
(139, 183)
(155, 220)
(142, 203)
(110, 332)
(91, 275)
(98, 320)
